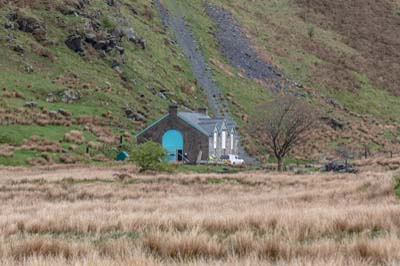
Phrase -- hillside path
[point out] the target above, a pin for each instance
(201, 70)
(188, 43)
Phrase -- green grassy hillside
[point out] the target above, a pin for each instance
(33, 70)
(126, 69)
(331, 62)
(312, 48)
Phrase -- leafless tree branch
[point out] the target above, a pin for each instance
(285, 122)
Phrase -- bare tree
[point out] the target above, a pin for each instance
(284, 123)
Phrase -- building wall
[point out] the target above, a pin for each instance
(193, 140)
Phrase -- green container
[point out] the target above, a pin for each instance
(122, 156)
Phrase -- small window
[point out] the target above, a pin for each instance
(215, 139)
(223, 141)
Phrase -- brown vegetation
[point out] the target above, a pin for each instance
(74, 136)
(29, 116)
(100, 158)
(70, 158)
(95, 145)
(44, 159)
(36, 143)
(6, 151)
(88, 216)
(12, 94)
(370, 27)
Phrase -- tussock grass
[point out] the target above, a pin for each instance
(74, 136)
(85, 216)
(42, 248)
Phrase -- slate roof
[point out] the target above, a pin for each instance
(201, 122)
(206, 123)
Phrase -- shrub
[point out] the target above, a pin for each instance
(107, 23)
(148, 156)
(311, 32)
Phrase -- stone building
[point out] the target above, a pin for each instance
(192, 136)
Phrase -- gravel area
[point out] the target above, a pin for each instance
(237, 49)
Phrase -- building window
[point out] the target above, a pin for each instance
(223, 144)
(215, 139)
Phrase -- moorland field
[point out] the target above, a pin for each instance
(116, 216)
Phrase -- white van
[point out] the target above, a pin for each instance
(232, 159)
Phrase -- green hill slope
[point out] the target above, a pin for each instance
(344, 75)
(99, 87)
(105, 68)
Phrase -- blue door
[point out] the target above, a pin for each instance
(172, 141)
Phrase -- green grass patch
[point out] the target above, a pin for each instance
(20, 158)
(15, 134)
(370, 100)
(210, 168)
(215, 181)
(397, 186)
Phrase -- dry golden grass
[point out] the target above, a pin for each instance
(6, 150)
(39, 144)
(381, 162)
(74, 136)
(91, 216)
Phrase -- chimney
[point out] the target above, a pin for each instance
(173, 110)
(203, 111)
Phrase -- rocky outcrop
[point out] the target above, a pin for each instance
(28, 24)
(18, 48)
(75, 43)
(134, 115)
(333, 123)
(132, 9)
(130, 34)
(112, 2)
(103, 41)
(66, 96)
(31, 104)
(72, 7)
